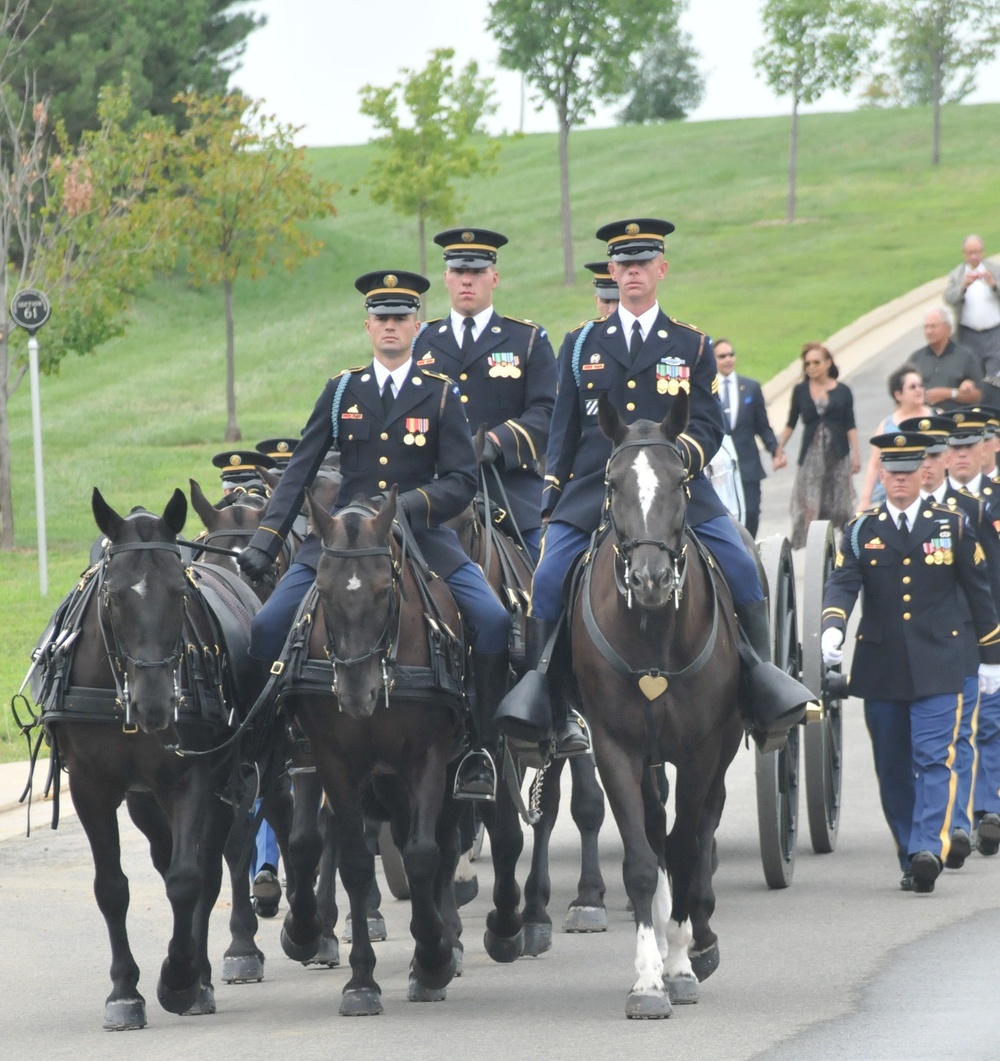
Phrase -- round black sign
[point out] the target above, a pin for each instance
(30, 309)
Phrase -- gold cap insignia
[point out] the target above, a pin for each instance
(235, 460)
(631, 229)
(959, 418)
(899, 440)
(468, 237)
(389, 280)
(924, 425)
(282, 447)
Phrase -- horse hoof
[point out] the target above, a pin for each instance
(647, 1005)
(704, 963)
(242, 968)
(682, 990)
(203, 1004)
(177, 1001)
(466, 891)
(429, 985)
(586, 919)
(504, 949)
(376, 929)
(125, 1014)
(418, 992)
(537, 939)
(299, 952)
(328, 953)
(361, 1002)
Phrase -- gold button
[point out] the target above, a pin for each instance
(906, 615)
(590, 386)
(384, 436)
(464, 375)
(906, 560)
(381, 484)
(350, 438)
(872, 562)
(383, 460)
(954, 633)
(631, 384)
(927, 513)
(906, 580)
(465, 398)
(906, 598)
(630, 406)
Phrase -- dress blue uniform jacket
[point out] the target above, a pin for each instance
(674, 357)
(751, 423)
(507, 382)
(910, 637)
(436, 480)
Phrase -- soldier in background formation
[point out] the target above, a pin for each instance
(923, 574)
(606, 294)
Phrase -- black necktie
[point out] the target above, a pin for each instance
(636, 343)
(727, 403)
(468, 323)
(904, 530)
(387, 398)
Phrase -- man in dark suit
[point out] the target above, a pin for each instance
(923, 573)
(504, 367)
(640, 359)
(744, 416)
(393, 423)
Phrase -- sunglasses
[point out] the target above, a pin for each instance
(813, 363)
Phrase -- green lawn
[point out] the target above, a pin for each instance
(148, 411)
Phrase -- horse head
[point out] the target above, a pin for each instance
(230, 524)
(359, 596)
(646, 503)
(143, 598)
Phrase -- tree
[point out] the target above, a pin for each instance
(246, 189)
(810, 47)
(417, 163)
(936, 46)
(666, 84)
(573, 55)
(86, 225)
(73, 48)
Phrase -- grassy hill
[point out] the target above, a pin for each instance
(148, 411)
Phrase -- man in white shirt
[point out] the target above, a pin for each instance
(973, 292)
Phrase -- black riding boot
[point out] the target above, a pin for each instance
(775, 700)
(476, 777)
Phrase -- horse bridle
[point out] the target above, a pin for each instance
(625, 547)
(385, 644)
(116, 651)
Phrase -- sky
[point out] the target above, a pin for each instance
(313, 56)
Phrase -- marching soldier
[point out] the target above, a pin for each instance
(280, 450)
(238, 469)
(606, 294)
(504, 367)
(922, 572)
(641, 359)
(392, 423)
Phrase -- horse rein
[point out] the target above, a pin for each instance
(624, 547)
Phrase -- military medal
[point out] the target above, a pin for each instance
(416, 430)
(504, 365)
(672, 376)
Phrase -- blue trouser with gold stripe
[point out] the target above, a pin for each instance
(967, 756)
(913, 744)
(563, 542)
(987, 796)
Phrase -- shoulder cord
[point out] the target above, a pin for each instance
(855, 545)
(335, 410)
(578, 350)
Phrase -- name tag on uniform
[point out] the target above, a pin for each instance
(427, 359)
(354, 413)
(875, 543)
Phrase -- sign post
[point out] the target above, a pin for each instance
(30, 310)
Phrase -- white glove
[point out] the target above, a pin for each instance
(830, 645)
(989, 678)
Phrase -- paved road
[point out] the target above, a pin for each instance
(839, 965)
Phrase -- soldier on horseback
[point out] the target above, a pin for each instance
(393, 423)
(641, 359)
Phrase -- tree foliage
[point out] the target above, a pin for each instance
(245, 191)
(811, 47)
(935, 49)
(666, 84)
(428, 119)
(573, 56)
(73, 48)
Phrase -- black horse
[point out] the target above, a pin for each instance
(149, 664)
(655, 654)
(371, 619)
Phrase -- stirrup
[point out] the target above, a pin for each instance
(568, 742)
(481, 755)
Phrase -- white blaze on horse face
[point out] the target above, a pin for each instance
(353, 583)
(647, 481)
(648, 963)
(140, 587)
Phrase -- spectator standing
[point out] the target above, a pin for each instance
(745, 417)
(973, 292)
(829, 454)
(949, 371)
(906, 388)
